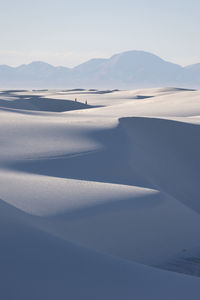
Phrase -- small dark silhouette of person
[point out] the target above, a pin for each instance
(75, 99)
(86, 102)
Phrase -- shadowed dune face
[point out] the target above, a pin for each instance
(169, 160)
(38, 103)
(37, 265)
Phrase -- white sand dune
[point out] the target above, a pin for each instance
(36, 265)
(93, 198)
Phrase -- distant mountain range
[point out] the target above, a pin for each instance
(132, 69)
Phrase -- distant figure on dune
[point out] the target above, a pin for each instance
(75, 99)
(86, 102)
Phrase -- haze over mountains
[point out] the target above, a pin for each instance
(132, 69)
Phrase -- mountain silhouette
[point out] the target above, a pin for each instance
(131, 69)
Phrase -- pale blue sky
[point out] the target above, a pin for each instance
(67, 33)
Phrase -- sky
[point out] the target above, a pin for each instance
(67, 33)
